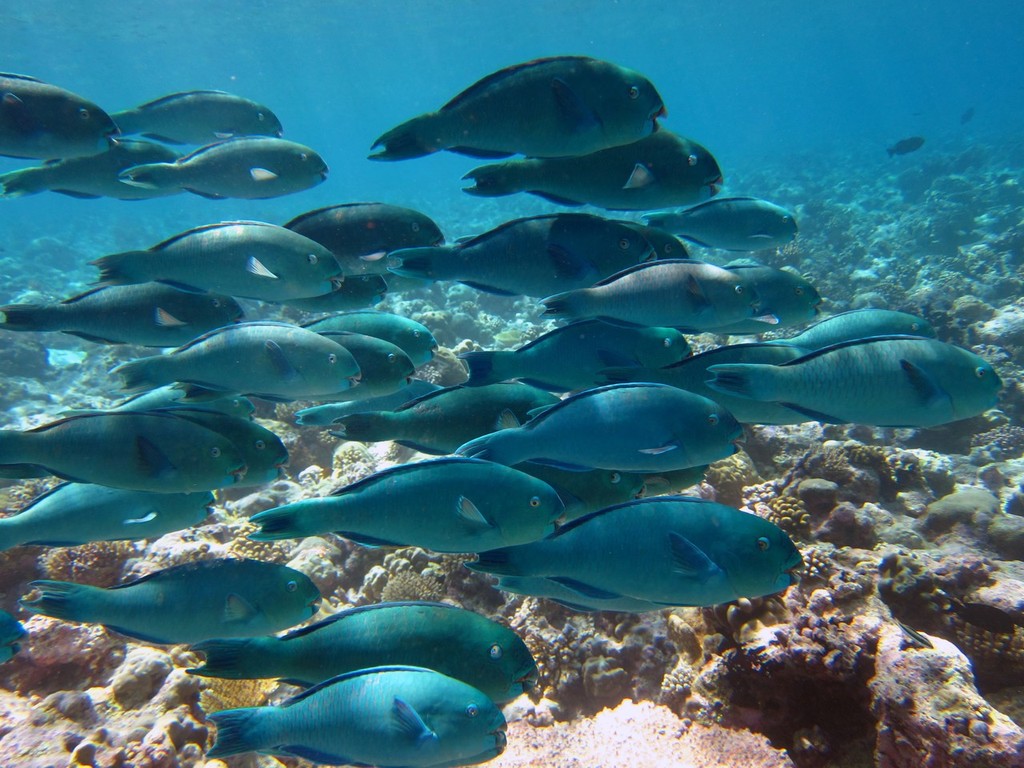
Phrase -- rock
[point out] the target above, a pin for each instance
(1006, 535)
(139, 678)
(968, 505)
(850, 526)
(818, 494)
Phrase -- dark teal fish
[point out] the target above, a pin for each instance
(657, 172)
(665, 245)
(535, 256)
(92, 176)
(360, 235)
(275, 361)
(445, 505)
(248, 259)
(415, 339)
(450, 640)
(11, 632)
(628, 427)
(187, 603)
(384, 716)
(247, 168)
(670, 550)
(552, 107)
(731, 223)
(148, 314)
(887, 381)
(353, 292)
(906, 146)
(43, 121)
(859, 324)
(441, 421)
(199, 117)
(784, 298)
(143, 451)
(585, 492)
(573, 356)
(77, 513)
(674, 482)
(322, 415)
(171, 396)
(383, 367)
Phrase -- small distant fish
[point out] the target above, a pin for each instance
(322, 415)
(731, 223)
(384, 368)
(275, 361)
(552, 107)
(92, 176)
(450, 640)
(967, 116)
(670, 550)
(385, 716)
(988, 617)
(11, 632)
(674, 293)
(414, 338)
(784, 298)
(441, 421)
(586, 492)
(534, 256)
(42, 121)
(633, 427)
(352, 293)
(147, 314)
(247, 259)
(78, 513)
(445, 505)
(572, 357)
(187, 603)
(247, 168)
(360, 235)
(888, 381)
(915, 637)
(143, 451)
(906, 146)
(858, 324)
(198, 117)
(661, 171)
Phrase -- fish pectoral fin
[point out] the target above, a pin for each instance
(612, 358)
(556, 199)
(577, 113)
(238, 610)
(770, 318)
(506, 420)
(411, 724)
(147, 518)
(371, 257)
(165, 319)
(582, 588)
(925, 386)
(279, 360)
(152, 458)
(641, 177)
(696, 294)
(660, 449)
(689, 560)
(12, 99)
(569, 265)
(470, 513)
(224, 134)
(256, 267)
(262, 174)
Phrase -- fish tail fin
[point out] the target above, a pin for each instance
(26, 317)
(408, 140)
(497, 562)
(749, 380)
(499, 447)
(62, 600)
(567, 304)
(495, 180)
(417, 262)
(482, 368)
(316, 415)
(240, 730)
(367, 427)
(119, 268)
(150, 175)
(290, 521)
(27, 181)
(231, 658)
(142, 374)
(127, 121)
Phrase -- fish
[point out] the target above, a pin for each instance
(675, 293)
(441, 421)
(146, 314)
(171, 395)
(669, 550)
(198, 117)
(413, 338)
(885, 381)
(188, 603)
(384, 716)
(279, 362)
(351, 293)
(79, 513)
(989, 617)
(692, 373)
(967, 116)
(629, 427)
(322, 415)
(360, 235)
(246, 259)
(11, 632)
(906, 146)
(445, 505)
(660, 171)
(674, 482)
(383, 367)
(664, 244)
(585, 492)
(730, 223)
(142, 451)
(40, 120)
(91, 176)
(784, 298)
(572, 357)
(549, 107)
(858, 324)
(247, 168)
(534, 256)
(450, 640)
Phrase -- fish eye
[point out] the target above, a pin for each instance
(416, 334)
(332, 358)
(495, 652)
(415, 226)
(312, 258)
(260, 445)
(712, 419)
(979, 372)
(535, 501)
(83, 113)
(303, 156)
(292, 585)
(215, 451)
(624, 243)
(634, 92)
(615, 478)
(392, 357)
(216, 302)
(260, 116)
(763, 544)
(799, 291)
(739, 289)
(472, 710)
(666, 342)
(692, 160)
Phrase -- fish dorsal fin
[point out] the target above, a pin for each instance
(43, 496)
(541, 413)
(641, 177)
(423, 398)
(411, 724)
(633, 504)
(645, 265)
(256, 267)
(852, 343)
(84, 294)
(498, 231)
(350, 676)
(205, 228)
(309, 629)
(401, 469)
(689, 560)
(26, 78)
(172, 97)
(238, 610)
(483, 84)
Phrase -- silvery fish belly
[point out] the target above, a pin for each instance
(199, 117)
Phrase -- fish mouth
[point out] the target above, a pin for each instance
(715, 185)
(323, 174)
(239, 472)
(500, 740)
(661, 111)
(337, 283)
(528, 679)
